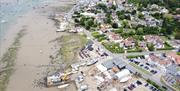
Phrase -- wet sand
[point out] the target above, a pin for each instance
(33, 55)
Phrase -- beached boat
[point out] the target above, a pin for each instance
(63, 86)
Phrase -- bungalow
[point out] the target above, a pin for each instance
(177, 17)
(105, 27)
(129, 42)
(156, 40)
(114, 37)
(174, 57)
(100, 17)
(159, 62)
(150, 21)
(175, 43)
(88, 14)
(142, 44)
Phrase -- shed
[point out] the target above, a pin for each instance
(108, 64)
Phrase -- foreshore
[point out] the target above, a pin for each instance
(35, 46)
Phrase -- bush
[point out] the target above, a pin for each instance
(155, 85)
(178, 53)
(136, 56)
(115, 25)
(135, 50)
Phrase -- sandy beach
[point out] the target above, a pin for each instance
(33, 55)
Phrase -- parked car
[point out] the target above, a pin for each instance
(146, 67)
(139, 82)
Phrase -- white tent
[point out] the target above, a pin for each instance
(122, 74)
(125, 79)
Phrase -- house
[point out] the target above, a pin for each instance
(129, 42)
(172, 75)
(105, 28)
(88, 14)
(164, 10)
(154, 7)
(177, 17)
(154, 39)
(158, 61)
(142, 44)
(174, 57)
(175, 43)
(114, 37)
(151, 21)
(100, 17)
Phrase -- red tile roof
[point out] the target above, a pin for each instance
(160, 61)
(175, 56)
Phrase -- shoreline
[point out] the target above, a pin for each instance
(35, 47)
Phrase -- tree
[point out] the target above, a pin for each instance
(150, 47)
(89, 23)
(113, 7)
(76, 20)
(82, 20)
(128, 17)
(120, 30)
(125, 24)
(141, 16)
(114, 25)
(121, 15)
(133, 12)
(140, 31)
(177, 35)
(169, 24)
(102, 6)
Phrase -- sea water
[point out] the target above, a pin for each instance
(10, 10)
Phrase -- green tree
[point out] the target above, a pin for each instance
(177, 35)
(140, 15)
(150, 47)
(114, 25)
(76, 20)
(140, 31)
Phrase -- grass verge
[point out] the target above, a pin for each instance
(139, 68)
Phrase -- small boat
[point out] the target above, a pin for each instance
(63, 86)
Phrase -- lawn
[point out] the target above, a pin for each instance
(166, 47)
(137, 49)
(98, 36)
(70, 45)
(113, 47)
